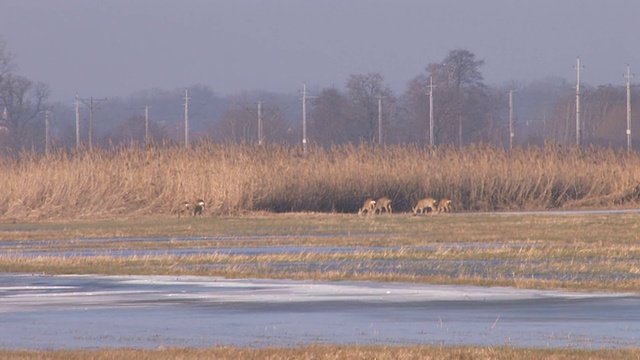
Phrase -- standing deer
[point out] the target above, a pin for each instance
(198, 209)
(444, 205)
(383, 204)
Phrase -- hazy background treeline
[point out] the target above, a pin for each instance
(363, 110)
(233, 179)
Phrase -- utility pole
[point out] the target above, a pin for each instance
(511, 133)
(628, 75)
(260, 133)
(146, 125)
(305, 96)
(304, 118)
(380, 120)
(77, 121)
(91, 103)
(432, 140)
(186, 118)
(578, 128)
(46, 132)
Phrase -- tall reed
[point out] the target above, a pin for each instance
(232, 179)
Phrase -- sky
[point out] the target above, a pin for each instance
(115, 48)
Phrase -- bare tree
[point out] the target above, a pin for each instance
(237, 125)
(7, 64)
(364, 92)
(461, 103)
(536, 103)
(415, 127)
(331, 119)
(24, 101)
(132, 130)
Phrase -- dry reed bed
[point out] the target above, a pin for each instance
(238, 178)
(329, 352)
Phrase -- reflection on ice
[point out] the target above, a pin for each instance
(39, 312)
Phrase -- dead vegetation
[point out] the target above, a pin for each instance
(329, 352)
(234, 179)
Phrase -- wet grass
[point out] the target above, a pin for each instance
(567, 251)
(330, 352)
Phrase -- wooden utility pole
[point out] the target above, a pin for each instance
(511, 133)
(629, 75)
(260, 129)
(432, 139)
(46, 132)
(146, 125)
(186, 118)
(578, 67)
(77, 121)
(304, 118)
(380, 120)
(91, 103)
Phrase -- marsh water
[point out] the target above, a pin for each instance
(86, 312)
(73, 312)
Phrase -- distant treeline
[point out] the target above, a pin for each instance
(365, 111)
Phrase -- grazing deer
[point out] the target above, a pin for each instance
(198, 208)
(444, 205)
(383, 204)
(184, 208)
(369, 206)
(426, 203)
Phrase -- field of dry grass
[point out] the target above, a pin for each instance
(235, 179)
(331, 352)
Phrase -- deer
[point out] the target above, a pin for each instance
(198, 209)
(368, 206)
(383, 204)
(424, 204)
(444, 205)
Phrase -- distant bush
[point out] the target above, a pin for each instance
(237, 178)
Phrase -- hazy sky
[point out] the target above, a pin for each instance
(117, 47)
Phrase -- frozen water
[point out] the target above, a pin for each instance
(69, 312)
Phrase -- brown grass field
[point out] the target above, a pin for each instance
(329, 352)
(234, 179)
(275, 196)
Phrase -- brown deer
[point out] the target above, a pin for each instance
(423, 204)
(184, 208)
(444, 205)
(383, 204)
(368, 206)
